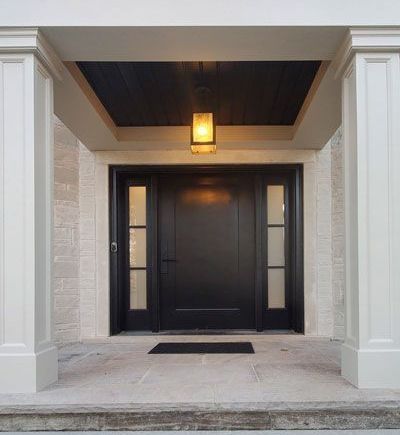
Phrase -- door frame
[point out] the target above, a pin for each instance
(119, 173)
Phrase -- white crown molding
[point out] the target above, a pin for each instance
(31, 40)
(366, 40)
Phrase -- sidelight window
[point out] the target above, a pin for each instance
(276, 246)
(138, 247)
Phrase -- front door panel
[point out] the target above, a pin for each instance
(207, 247)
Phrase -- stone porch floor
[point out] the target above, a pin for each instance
(286, 372)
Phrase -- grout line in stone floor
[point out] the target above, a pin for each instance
(140, 381)
(319, 352)
(214, 390)
(255, 372)
(83, 357)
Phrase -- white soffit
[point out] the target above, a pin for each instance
(195, 43)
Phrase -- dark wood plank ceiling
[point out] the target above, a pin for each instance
(167, 93)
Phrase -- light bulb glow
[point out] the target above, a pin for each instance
(202, 128)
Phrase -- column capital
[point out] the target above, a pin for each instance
(31, 40)
(366, 39)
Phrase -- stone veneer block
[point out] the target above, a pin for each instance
(66, 243)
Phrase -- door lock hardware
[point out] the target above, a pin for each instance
(114, 247)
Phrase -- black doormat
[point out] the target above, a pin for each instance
(229, 347)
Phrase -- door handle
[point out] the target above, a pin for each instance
(165, 257)
(164, 264)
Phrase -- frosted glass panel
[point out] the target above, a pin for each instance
(275, 204)
(137, 205)
(137, 247)
(276, 288)
(276, 246)
(138, 294)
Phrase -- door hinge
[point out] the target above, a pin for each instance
(114, 247)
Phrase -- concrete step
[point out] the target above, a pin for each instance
(245, 416)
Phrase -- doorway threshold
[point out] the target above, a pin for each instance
(209, 332)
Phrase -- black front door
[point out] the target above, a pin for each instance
(207, 251)
(206, 248)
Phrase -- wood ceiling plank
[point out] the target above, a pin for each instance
(164, 93)
(299, 91)
(284, 92)
(138, 104)
(271, 90)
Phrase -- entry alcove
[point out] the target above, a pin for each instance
(207, 248)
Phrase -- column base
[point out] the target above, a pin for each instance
(371, 368)
(28, 373)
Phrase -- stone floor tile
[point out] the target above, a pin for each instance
(126, 347)
(287, 357)
(174, 374)
(301, 372)
(218, 358)
(380, 394)
(176, 359)
(182, 393)
(121, 374)
(289, 369)
(238, 392)
(105, 394)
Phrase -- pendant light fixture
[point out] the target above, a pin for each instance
(203, 134)
(203, 131)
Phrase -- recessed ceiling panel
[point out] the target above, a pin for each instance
(167, 93)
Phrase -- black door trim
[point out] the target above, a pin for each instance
(259, 280)
(119, 173)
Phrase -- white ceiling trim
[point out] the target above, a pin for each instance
(366, 40)
(31, 40)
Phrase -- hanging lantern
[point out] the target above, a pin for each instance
(203, 134)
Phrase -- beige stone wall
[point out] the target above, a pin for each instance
(328, 294)
(337, 234)
(87, 242)
(324, 241)
(81, 242)
(66, 235)
(74, 238)
(325, 257)
(318, 317)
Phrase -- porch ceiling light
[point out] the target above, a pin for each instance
(203, 134)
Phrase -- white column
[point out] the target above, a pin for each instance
(369, 63)
(28, 358)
